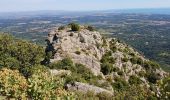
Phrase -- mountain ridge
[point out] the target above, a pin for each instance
(105, 57)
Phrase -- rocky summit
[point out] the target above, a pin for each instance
(81, 47)
(109, 58)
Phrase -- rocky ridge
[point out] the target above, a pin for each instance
(94, 51)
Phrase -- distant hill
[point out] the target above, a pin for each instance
(75, 13)
(146, 11)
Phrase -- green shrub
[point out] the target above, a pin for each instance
(13, 84)
(147, 65)
(43, 86)
(18, 54)
(134, 80)
(111, 60)
(74, 77)
(136, 60)
(65, 63)
(132, 54)
(153, 77)
(48, 56)
(106, 68)
(77, 52)
(104, 96)
(139, 61)
(165, 88)
(86, 96)
(134, 92)
(85, 72)
(125, 59)
(151, 65)
(151, 97)
(61, 28)
(104, 42)
(74, 27)
(142, 74)
(106, 57)
(90, 28)
(115, 69)
(113, 48)
(120, 84)
(154, 65)
(120, 73)
(133, 60)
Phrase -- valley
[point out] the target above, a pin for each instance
(147, 33)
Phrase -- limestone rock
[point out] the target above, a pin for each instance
(82, 87)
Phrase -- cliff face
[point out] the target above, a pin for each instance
(80, 46)
(95, 52)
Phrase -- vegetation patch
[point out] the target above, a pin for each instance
(74, 27)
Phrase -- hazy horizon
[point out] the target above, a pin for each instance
(79, 5)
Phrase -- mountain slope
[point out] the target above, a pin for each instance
(106, 57)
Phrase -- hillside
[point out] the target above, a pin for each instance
(78, 63)
(115, 62)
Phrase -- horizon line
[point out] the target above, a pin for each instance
(83, 10)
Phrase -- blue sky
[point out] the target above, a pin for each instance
(79, 5)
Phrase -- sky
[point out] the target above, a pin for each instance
(79, 5)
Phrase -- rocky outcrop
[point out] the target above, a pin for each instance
(80, 46)
(108, 58)
(89, 47)
(82, 87)
(60, 72)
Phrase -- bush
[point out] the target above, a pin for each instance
(134, 80)
(18, 54)
(147, 65)
(86, 96)
(106, 68)
(120, 84)
(133, 60)
(113, 48)
(142, 74)
(13, 84)
(90, 28)
(74, 27)
(132, 54)
(65, 63)
(104, 42)
(134, 93)
(104, 96)
(154, 65)
(151, 65)
(125, 59)
(115, 69)
(61, 28)
(165, 88)
(120, 73)
(85, 72)
(139, 61)
(153, 77)
(43, 86)
(77, 52)
(106, 57)
(74, 77)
